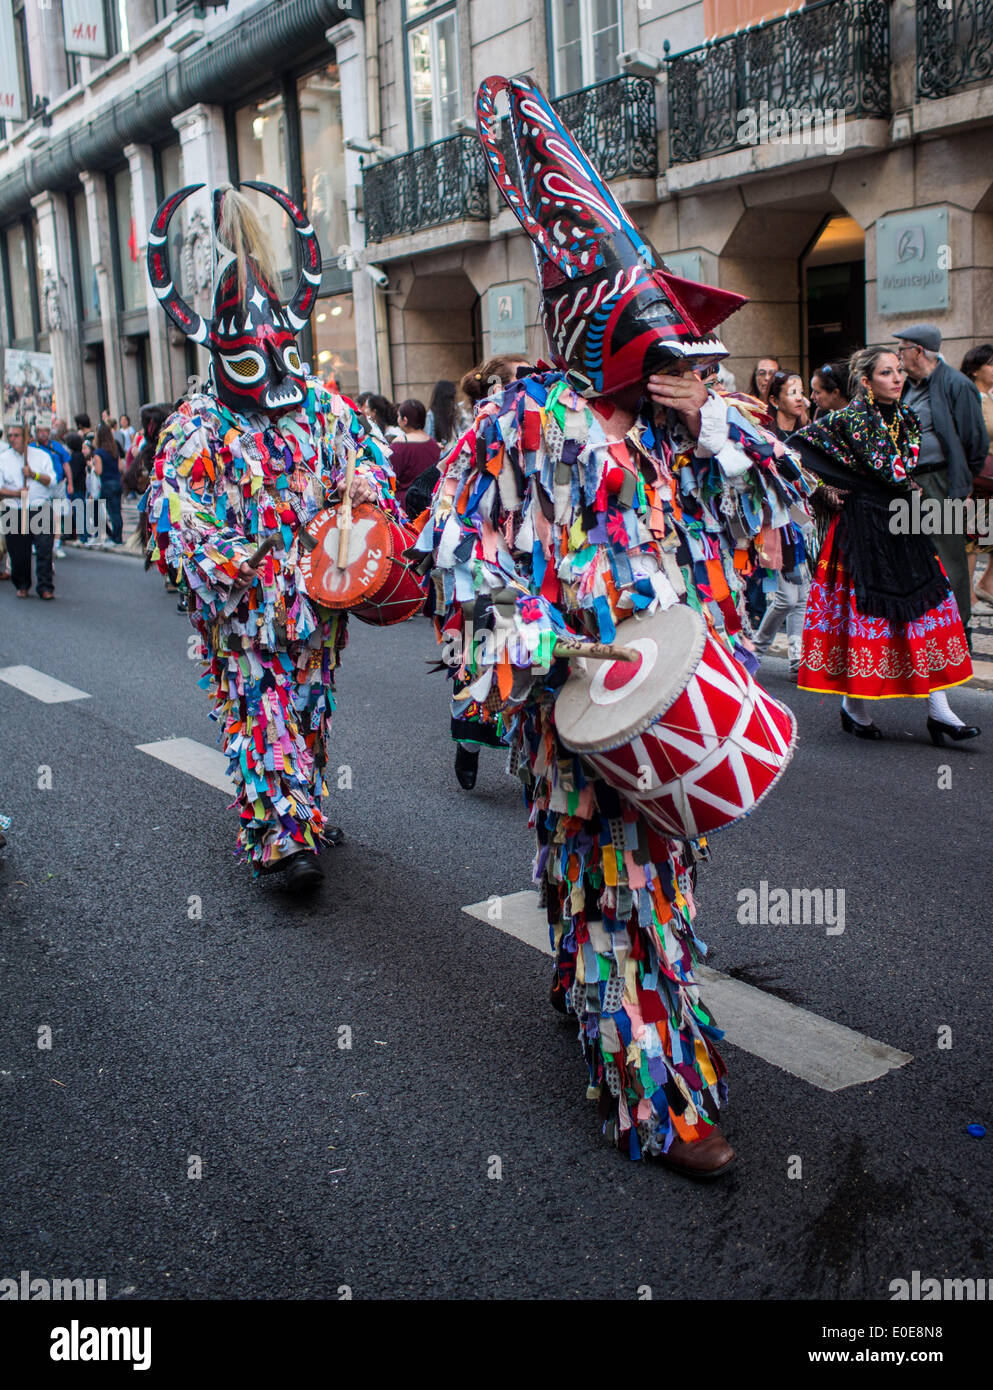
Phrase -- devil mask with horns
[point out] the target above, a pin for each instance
(251, 338)
(612, 312)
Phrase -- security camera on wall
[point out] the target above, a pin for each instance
(638, 63)
(377, 274)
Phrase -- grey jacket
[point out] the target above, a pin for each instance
(957, 417)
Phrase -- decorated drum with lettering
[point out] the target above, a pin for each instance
(375, 583)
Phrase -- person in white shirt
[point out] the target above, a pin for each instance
(27, 486)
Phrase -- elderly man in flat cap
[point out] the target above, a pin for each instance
(954, 442)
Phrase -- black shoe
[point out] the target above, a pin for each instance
(333, 835)
(302, 873)
(466, 766)
(556, 996)
(852, 726)
(956, 732)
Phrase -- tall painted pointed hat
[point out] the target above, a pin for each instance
(251, 340)
(613, 313)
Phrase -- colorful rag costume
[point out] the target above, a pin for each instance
(882, 622)
(588, 533)
(261, 455)
(541, 527)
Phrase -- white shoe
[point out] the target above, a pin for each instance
(59, 554)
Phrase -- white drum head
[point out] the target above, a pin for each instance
(604, 704)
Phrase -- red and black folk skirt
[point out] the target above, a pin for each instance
(848, 652)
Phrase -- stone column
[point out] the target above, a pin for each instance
(348, 40)
(205, 160)
(57, 292)
(143, 204)
(101, 244)
(205, 152)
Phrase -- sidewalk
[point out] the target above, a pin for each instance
(129, 515)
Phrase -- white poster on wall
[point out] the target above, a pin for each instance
(27, 388)
(11, 100)
(85, 25)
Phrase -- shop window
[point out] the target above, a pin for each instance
(129, 254)
(335, 358)
(432, 71)
(88, 294)
(260, 135)
(586, 39)
(19, 283)
(23, 58)
(321, 142)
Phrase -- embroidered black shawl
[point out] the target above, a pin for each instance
(896, 577)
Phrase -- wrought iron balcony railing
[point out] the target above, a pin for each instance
(614, 121)
(443, 182)
(818, 65)
(954, 45)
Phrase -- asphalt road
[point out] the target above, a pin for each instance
(175, 1038)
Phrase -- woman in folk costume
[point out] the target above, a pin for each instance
(569, 510)
(882, 622)
(258, 455)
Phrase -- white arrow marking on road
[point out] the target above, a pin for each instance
(825, 1054)
(44, 688)
(205, 764)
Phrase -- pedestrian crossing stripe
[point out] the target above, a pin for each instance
(814, 1049)
(195, 759)
(41, 687)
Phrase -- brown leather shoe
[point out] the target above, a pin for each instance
(705, 1158)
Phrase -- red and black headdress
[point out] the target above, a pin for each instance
(251, 337)
(612, 312)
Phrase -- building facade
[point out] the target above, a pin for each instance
(831, 163)
(181, 93)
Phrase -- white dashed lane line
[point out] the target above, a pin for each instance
(825, 1054)
(195, 759)
(44, 688)
(816, 1050)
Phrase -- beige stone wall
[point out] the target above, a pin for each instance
(751, 215)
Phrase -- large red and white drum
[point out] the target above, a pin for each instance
(684, 733)
(375, 583)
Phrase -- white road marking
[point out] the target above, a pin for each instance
(205, 764)
(825, 1054)
(44, 688)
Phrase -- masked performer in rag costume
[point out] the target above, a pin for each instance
(257, 456)
(572, 507)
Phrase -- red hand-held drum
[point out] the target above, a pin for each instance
(685, 734)
(375, 584)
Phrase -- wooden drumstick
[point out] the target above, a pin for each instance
(270, 543)
(598, 651)
(345, 514)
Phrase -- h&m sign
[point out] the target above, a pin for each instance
(85, 25)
